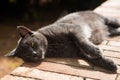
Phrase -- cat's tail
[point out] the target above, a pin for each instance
(112, 22)
(113, 26)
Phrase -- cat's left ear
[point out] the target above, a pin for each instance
(22, 30)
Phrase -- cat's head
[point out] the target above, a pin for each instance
(32, 45)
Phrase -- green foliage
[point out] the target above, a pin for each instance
(12, 1)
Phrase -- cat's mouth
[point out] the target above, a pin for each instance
(32, 58)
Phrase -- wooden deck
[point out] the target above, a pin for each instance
(75, 69)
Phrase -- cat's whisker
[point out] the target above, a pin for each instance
(34, 52)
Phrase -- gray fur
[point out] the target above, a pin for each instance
(75, 35)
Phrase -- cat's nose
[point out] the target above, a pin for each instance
(35, 54)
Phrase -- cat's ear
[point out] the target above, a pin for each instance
(22, 30)
(11, 54)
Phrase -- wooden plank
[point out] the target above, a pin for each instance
(111, 54)
(118, 71)
(104, 42)
(114, 43)
(110, 48)
(114, 3)
(110, 8)
(10, 77)
(89, 79)
(118, 78)
(44, 75)
(116, 60)
(115, 38)
(72, 70)
(70, 61)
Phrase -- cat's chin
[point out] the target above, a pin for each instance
(35, 59)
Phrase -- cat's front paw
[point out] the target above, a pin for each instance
(97, 53)
(110, 65)
(105, 63)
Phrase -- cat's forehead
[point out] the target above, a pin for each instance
(27, 39)
(31, 38)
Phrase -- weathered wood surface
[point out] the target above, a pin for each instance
(110, 8)
(75, 69)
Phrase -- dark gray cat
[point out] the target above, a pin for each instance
(75, 35)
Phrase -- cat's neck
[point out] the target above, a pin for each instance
(46, 30)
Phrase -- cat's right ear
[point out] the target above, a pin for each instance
(11, 54)
(22, 30)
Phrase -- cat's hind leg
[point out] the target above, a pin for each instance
(86, 45)
(93, 52)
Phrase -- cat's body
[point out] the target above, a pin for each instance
(61, 34)
(75, 35)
